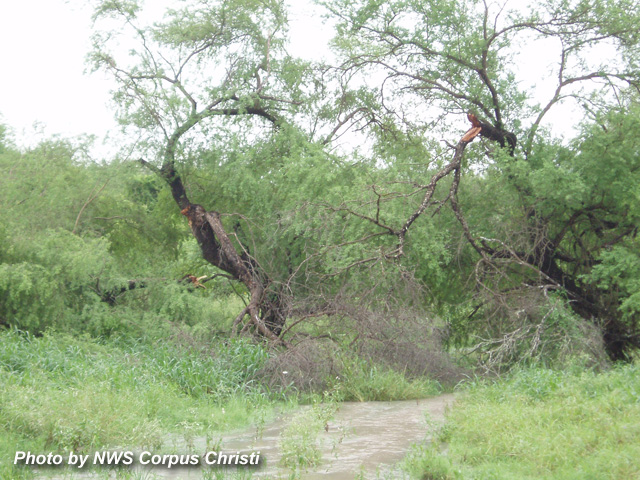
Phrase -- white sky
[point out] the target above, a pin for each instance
(42, 49)
(43, 44)
(44, 87)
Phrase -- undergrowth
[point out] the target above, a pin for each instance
(540, 424)
(299, 441)
(61, 393)
(361, 381)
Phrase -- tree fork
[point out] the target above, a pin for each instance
(618, 337)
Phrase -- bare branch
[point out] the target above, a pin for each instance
(91, 198)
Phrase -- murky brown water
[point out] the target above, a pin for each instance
(362, 439)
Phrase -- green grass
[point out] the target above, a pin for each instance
(299, 441)
(61, 393)
(361, 381)
(540, 424)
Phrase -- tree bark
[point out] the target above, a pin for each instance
(265, 314)
(619, 337)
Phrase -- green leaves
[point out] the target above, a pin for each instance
(207, 59)
(210, 93)
(116, 8)
(45, 282)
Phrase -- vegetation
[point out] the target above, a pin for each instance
(299, 448)
(540, 424)
(278, 230)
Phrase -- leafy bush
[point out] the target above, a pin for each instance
(46, 281)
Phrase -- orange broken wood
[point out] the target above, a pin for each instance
(476, 128)
(474, 120)
(194, 280)
(471, 134)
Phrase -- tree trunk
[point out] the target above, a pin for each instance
(620, 338)
(266, 314)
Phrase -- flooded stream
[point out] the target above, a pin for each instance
(362, 438)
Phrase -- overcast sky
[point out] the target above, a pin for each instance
(42, 49)
(43, 44)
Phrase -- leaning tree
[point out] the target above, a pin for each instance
(197, 79)
(434, 62)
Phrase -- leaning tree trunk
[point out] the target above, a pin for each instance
(265, 309)
(217, 249)
(620, 337)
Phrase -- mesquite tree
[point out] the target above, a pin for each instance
(433, 62)
(214, 77)
(204, 66)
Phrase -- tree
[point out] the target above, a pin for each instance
(435, 61)
(214, 105)
(204, 64)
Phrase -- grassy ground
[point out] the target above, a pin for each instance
(61, 393)
(540, 424)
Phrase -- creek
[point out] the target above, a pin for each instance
(365, 438)
(362, 440)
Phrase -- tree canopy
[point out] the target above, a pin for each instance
(411, 189)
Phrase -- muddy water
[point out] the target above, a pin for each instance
(366, 437)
